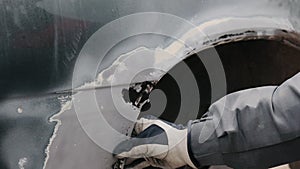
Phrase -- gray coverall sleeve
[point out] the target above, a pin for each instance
(255, 128)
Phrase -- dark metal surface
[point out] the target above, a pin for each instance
(25, 130)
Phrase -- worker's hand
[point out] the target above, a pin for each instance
(160, 143)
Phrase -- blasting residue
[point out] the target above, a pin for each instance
(19, 110)
(65, 106)
(190, 40)
(64, 98)
(22, 162)
(102, 75)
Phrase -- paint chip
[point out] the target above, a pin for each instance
(20, 110)
(22, 162)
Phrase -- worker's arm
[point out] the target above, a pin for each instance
(255, 128)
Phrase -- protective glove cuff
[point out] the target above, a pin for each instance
(192, 158)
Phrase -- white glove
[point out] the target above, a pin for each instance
(160, 143)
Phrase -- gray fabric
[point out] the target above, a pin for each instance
(255, 128)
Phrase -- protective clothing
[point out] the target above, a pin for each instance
(160, 143)
(255, 128)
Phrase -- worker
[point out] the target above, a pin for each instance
(255, 128)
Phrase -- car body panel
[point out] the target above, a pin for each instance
(45, 66)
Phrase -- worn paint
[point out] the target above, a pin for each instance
(22, 163)
(65, 106)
